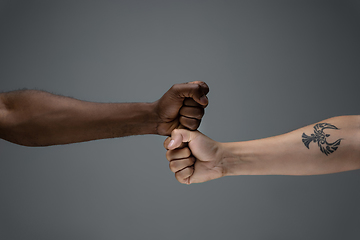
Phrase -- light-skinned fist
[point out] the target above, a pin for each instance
(198, 161)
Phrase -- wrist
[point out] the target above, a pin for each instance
(238, 158)
(151, 119)
(155, 117)
(131, 119)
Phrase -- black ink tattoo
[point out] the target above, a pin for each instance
(320, 137)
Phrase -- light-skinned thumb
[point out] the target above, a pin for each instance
(179, 136)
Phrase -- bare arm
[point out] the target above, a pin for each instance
(36, 118)
(293, 154)
(330, 146)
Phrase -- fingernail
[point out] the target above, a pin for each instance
(171, 143)
(204, 99)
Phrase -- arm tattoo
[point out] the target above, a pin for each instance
(320, 137)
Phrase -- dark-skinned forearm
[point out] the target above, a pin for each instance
(36, 118)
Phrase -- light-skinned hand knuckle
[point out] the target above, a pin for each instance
(178, 176)
(172, 166)
(187, 152)
(189, 162)
(168, 155)
(166, 143)
(175, 132)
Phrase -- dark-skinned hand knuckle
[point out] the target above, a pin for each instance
(182, 111)
(194, 124)
(198, 89)
(190, 126)
(193, 127)
(192, 88)
(173, 87)
(176, 88)
(184, 122)
(183, 119)
(204, 85)
(200, 113)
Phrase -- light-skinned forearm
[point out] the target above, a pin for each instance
(287, 155)
(36, 118)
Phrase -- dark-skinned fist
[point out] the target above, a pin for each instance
(182, 106)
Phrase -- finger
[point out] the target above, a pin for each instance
(178, 153)
(183, 176)
(190, 123)
(203, 84)
(181, 135)
(180, 164)
(191, 103)
(192, 112)
(196, 91)
(167, 141)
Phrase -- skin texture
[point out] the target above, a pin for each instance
(181, 107)
(199, 161)
(204, 159)
(37, 118)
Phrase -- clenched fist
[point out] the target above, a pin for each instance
(199, 161)
(181, 107)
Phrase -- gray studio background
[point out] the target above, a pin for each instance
(272, 66)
